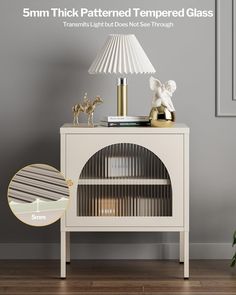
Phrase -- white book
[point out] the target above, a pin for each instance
(126, 119)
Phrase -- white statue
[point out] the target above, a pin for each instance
(163, 112)
(163, 93)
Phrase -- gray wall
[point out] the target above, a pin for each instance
(43, 73)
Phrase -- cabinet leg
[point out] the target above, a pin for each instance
(63, 254)
(186, 254)
(181, 247)
(67, 247)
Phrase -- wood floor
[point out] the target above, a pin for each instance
(116, 277)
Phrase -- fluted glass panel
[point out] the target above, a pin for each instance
(124, 180)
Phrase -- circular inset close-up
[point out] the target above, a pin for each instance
(38, 195)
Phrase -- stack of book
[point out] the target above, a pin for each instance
(125, 121)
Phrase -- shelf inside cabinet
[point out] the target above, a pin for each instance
(125, 181)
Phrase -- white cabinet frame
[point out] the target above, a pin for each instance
(171, 145)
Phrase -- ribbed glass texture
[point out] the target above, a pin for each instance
(124, 180)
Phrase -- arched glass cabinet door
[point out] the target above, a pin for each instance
(124, 180)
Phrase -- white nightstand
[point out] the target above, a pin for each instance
(126, 179)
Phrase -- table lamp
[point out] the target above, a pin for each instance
(121, 54)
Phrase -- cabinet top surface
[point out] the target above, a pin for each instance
(83, 128)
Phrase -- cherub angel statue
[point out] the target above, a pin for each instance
(162, 107)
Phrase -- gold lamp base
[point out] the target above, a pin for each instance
(122, 97)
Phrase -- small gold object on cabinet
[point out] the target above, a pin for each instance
(161, 117)
(69, 182)
(88, 107)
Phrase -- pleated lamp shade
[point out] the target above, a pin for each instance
(121, 54)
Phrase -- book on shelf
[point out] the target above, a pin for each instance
(124, 124)
(125, 119)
